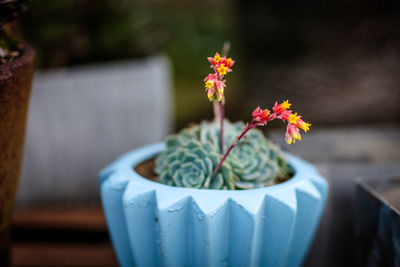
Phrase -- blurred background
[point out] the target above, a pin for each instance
(337, 62)
(113, 75)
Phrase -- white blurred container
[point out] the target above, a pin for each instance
(81, 118)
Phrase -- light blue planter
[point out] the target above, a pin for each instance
(153, 224)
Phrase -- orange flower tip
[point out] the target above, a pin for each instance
(228, 62)
(216, 59)
(285, 104)
(209, 84)
(222, 69)
(281, 108)
(293, 118)
(305, 126)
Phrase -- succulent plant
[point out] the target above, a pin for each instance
(219, 154)
(187, 162)
(257, 160)
(193, 154)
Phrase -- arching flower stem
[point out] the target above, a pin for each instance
(247, 128)
(262, 116)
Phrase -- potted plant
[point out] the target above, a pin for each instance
(16, 70)
(215, 194)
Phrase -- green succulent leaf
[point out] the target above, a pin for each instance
(192, 155)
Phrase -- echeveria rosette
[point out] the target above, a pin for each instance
(189, 163)
(254, 162)
(259, 160)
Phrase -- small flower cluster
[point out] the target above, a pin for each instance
(281, 111)
(215, 91)
(214, 82)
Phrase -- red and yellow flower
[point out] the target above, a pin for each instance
(215, 59)
(222, 70)
(213, 82)
(261, 116)
(293, 118)
(293, 132)
(278, 109)
(215, 87)
(228, 62)
(305, 126)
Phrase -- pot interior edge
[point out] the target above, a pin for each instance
(155, 152)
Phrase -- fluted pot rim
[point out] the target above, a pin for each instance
(124, 169)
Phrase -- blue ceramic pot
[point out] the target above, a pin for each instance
(153, 224)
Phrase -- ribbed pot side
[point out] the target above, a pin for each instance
(15, 85)
(152, 224)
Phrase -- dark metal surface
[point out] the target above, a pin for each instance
(378, 221)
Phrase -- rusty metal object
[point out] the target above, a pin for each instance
(15, 84)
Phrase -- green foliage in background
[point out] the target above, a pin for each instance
(195, 32)
(71, 32)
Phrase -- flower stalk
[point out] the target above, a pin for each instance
(262, 117)
(215, 85)
(221, 123)
(225, 51)
(247, 128)
(197, 157)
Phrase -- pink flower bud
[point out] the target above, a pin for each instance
(210, 93)
(261, 116)
(211, 78)
(293, 131)
(286, 115)
(288, 138)
(219, 85)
